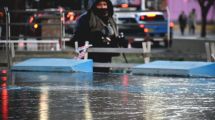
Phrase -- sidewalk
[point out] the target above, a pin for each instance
(190, 46)
(210, 32)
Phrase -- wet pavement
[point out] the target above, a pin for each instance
(95, 96)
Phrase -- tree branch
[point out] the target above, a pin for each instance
(210, 3)
(201, 3)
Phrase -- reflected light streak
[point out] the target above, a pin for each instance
(153, 102)
(4, 99)
(124, 93)
(87, 112)
(4, 72)
(43, 104)
(125, 79)
(4, 79)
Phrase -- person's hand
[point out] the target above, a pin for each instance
(107, 40)
(122, 42)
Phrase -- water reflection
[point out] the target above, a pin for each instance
(4, 101)
(78, 96)
(87, 111)
(44, 103)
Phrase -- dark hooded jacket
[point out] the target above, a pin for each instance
(92, 28)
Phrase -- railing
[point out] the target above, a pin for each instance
(54, 46)
(31, 45)
(25, 29)
(13, 46)
(145, 51)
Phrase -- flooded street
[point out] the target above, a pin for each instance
(93, 96)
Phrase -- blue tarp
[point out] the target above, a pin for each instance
(54, 65)
(177, 68)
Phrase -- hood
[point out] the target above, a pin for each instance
(92, 6)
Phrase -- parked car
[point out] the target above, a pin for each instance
(145, 26)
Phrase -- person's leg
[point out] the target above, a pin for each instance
(182, 31)
(100, 58)
(194, 29)
(102, 69)
(190, 29)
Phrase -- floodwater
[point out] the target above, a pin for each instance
(93, 96)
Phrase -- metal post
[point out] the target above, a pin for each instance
(11, 45)
(146, 50)
(8, 46)
(212, 45)
(0, 31)
(168, 26)
(61, 30)
(143, 5)
(208, 51)
(86, 54)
